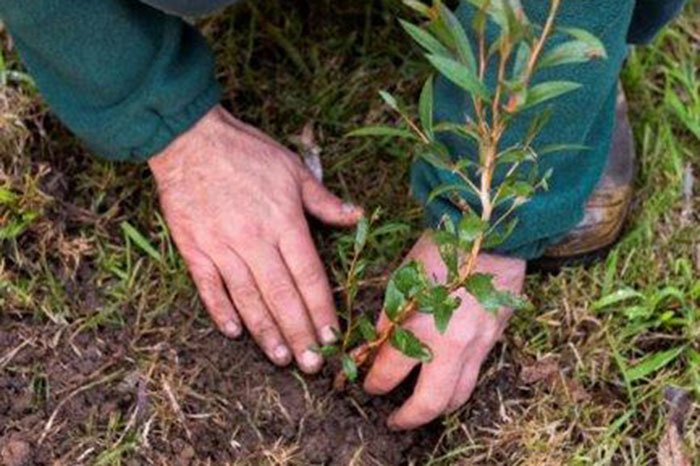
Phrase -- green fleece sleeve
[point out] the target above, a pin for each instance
(124, 77)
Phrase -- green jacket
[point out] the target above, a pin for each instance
(127, 79)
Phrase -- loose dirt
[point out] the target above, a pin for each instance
(191, 397)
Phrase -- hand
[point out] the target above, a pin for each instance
(447, 382)
(234, 200)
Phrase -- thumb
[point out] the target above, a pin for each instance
(325, 205)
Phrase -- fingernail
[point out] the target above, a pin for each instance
(328, 335)
(281, 354)
(349, 209)
(310, 361)
(232, 329)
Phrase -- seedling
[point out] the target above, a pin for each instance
(491, 183)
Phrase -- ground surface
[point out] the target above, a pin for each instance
(107, 358)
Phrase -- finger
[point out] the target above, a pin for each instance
(310, 277)
(389, 368)
(285, 305)
(432, 394)
(325, 205)
(211, 290)
(253, 310)
(465, 385)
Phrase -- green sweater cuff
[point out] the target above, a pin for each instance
(171, 126)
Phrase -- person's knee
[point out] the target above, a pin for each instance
(188, 7)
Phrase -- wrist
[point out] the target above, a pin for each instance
(169, 165)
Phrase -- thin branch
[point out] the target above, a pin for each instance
(537, 50)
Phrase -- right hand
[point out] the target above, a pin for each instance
(234, 200)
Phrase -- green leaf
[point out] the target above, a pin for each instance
(440, 303)
(436, 154)
(447, 240)
(444, 189)
(443, 314)
(536, 125)
(519, 188)
(515, 28)
(448, 224)
(546, 91)
(502, 13)
(470, 227)
(390, 100)
(432, 298)
(551, 148)
(449, 253)
(326, 350)
(574, 51)
(425, 39)
(514, 155)
(459, 36)
(418, 6)
(425, 107)
(480, 285)
(383, 131)
(408, 344)
(139, 240)
(456, 128)
(497, 237)
(480, 17)
(442, 237)
(361, 234)
(366, 328)
(349, 367)
(393, 300)
(653, 363)
(17, 225)
(513, 301)
(8, 197)
(522, 55)
(616, 297)
(596, 46)
(410, 279)
(460, 75)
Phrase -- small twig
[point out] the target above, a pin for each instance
(537, 50)
(52, 419)
(9, 356)
(176, 407)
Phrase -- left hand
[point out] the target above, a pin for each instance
(447, 382)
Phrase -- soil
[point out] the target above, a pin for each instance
(229, 402)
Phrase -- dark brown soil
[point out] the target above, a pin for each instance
(233, 404)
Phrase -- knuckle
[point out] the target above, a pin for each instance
(204, 276)
(311, 276)
(281, 297)
(247, 295)
(246, 234)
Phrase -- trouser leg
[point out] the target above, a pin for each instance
(584, 117)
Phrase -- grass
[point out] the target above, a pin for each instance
(85, 256)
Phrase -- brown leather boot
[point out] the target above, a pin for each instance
(607, 207)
